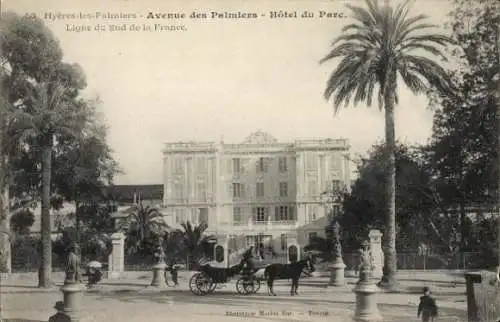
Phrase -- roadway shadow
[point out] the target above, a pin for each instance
(20, 320)
(230, 299)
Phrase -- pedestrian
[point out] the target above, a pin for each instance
(427, 307)
(60, 316)
(174, 274)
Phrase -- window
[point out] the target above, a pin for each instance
(236, 165)
(178, 191)
(283, 241)
(311, 161)
(335, 162)
(312, 187)
(283, 165)
(312, 235)
(282, 213)
(201, 164)
(283, 189)
(260, 189)
(335, 210)
(179, 216)
(193, 216)
(336, 185)
(237, 215)
(203, 216)
(261, 165)
(311, 213)
(291, 213)
(237, 190)
(260, 214)
(201, 189)
(178, 165)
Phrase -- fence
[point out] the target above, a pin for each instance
(414, 261)
(26, 258)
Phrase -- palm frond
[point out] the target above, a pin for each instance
(378, 45)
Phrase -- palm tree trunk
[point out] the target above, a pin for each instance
(45, 270)
(5, 249)
(77, 223)
(463, 232)
(390, 258)
(5, 235)
(497, 44)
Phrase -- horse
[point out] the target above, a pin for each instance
(287, 271)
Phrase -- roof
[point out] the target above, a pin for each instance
(126, 192)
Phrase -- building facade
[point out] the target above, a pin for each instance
(258, 190)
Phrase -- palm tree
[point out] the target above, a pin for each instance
(195, 242)
(173, 245)
(143, 224)
(380, 44)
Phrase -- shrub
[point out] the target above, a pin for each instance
(25, 253)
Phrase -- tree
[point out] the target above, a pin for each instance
(420, 214)
(195, 242)
(43, 92)
(143, 226)
(96, 227)
(323, 246)
(21, 221)
(379, 45)
(83, 165)
(475, 26)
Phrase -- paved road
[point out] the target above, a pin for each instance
(132, 300)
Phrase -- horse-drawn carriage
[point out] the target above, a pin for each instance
(207, 278)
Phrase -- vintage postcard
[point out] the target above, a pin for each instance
(287, 160)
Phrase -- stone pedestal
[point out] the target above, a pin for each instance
(159, 275)
(337, 269)
(72, 293)
(292, 247)
(116, 260)
(472, 278)
(377, 253)
(366, 302)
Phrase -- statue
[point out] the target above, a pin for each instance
(159, 253)
(73, 265)
(366, 257)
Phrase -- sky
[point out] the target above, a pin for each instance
(217, 78)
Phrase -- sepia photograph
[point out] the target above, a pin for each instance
(250, 160)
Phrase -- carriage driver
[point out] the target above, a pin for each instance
(249, 265)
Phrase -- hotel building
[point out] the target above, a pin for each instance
(257, 190)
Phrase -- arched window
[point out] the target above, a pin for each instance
(219, 253)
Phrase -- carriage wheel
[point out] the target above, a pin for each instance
(255, 285)
(193, 284)
(205, 284)
(239, 285)
(251, 286)
(212, 288)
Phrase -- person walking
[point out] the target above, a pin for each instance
(427, 307)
